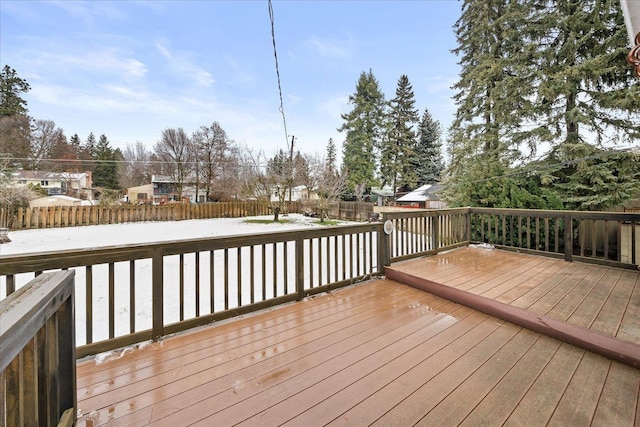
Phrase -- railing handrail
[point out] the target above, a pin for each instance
(40, 314)
(27, 310)
(411, 213)
(48, 260)
(545, 213)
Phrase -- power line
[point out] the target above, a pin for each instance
(525, 169)
(223, 163)
(275, 55)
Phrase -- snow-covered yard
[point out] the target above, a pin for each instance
(95, 236)
(85, 238)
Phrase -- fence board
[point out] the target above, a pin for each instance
(73, 216)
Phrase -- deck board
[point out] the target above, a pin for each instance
(384, 353)
(604, 299)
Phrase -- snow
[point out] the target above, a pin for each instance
(95, 236)
(88, 237)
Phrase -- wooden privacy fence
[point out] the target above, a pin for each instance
(38, 353)
(72, 216)
(349, 211)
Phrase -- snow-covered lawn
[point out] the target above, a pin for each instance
(30, 241)
(95, 236)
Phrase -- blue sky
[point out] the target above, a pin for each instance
(130, 69)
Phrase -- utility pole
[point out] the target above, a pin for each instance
(291, 168)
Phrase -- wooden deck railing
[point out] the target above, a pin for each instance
(609, 238)
(38, 353)
(130, 294)
(426, 232)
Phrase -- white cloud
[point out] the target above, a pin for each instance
(328, 48)
(103, 60)
(125, 91)
(181, 63)
(91, 11)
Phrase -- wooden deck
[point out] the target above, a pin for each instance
(387, 354)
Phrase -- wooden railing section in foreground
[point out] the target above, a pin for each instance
(183, 284)
(38, 353)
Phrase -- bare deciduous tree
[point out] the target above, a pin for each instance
(12, 198)
(330, 187)
(137, 168)
(266, 180)
(44, 137)
(214, 155)
(174, 150)
(15, 137)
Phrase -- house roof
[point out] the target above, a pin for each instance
(422, 194)
(384, 191)
(37, 174)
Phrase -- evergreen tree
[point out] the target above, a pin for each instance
(495, 87)
(88, 153)
(331, 159)
(106, 171)
(540, 72)
(398, 155)
(363, 126)
(429, 165)
(596, 179)
(587, 94)
(585, 88)
(11, 86)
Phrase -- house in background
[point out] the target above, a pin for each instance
(160, 191)
(295, 194)
(425, 197)
(382, 195)
(140, 195)
(74, 184)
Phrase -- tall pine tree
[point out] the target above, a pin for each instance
(493, 97)
(363, 127)
(542, 74)
(331, 159)
(11, 86)
(429, 166)
(398, 155)
(106, 170)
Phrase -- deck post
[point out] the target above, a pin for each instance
(568, 237)
(383, 249)
(157, 283)
(468, 226)
(67, 357)
(299, 268)
(435, 233)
